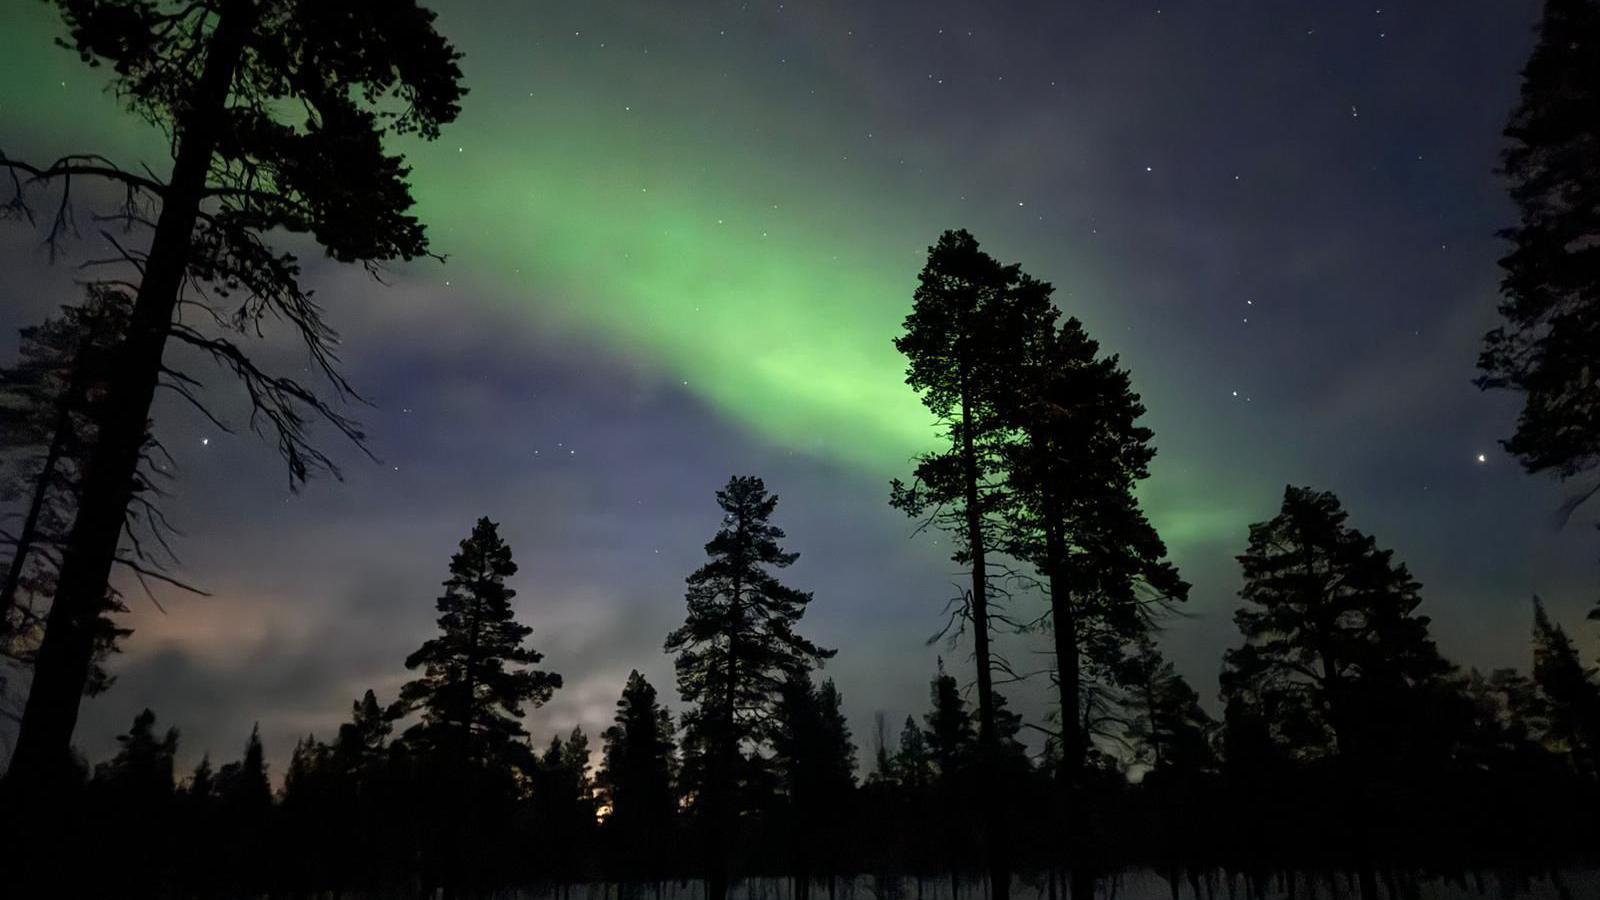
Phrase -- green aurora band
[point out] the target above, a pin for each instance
(732, 248)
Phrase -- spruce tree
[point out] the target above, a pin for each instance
(734, 652)
(1549, 347)
(912, 765)
(635, 780)
(279, 112)
(815, 761)
(477, 676)
(952, 752)
(244, 819)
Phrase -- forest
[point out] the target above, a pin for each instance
(1345, 755)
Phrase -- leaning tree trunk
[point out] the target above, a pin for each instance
(62, 666)
(988, 740)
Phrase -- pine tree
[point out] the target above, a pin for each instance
(1335, 664)
(635, 781)
(1076, 518)
(1549, 347)
(476, 676)
(734, 652)
(964, 339)
(278, 112)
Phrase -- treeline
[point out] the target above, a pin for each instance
(1394, 768)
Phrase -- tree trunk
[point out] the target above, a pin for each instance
(723, 779)
(1069, 776)
(62, 665)
(988, 740)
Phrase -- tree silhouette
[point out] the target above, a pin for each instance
(970, 320)
(50, 400)
(1077, 519)
(1549, 347)
(244, 812)
(476, 676)
(635, 780)
(278, 111)
(563, 806)
(1171, 735)
(133, 795)
(952, 751)
(815, 761)
(734, 652)
(1335, 663)
(1570, 693)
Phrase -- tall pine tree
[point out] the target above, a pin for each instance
(477, 676)
(970, 321)
(1076, 518)
(734, 652)
(279, 112)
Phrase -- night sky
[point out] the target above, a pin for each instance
(680, 239)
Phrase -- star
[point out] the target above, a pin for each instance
(205, 442)
(1483, 458)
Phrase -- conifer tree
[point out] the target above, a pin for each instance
(1335, 661)
(1170, 734)
(1075, 516)
(1549, 347)
(362, 740)
(734, 652)
(477, 676)
(1570, 693)
(278, 112)
(912, 764)
(132, 795)
(143, 764)
(964, 339)
(50, 400)
(635, 780)
(815, 761)
(952, 752)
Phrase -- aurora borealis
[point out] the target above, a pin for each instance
(680, 239)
